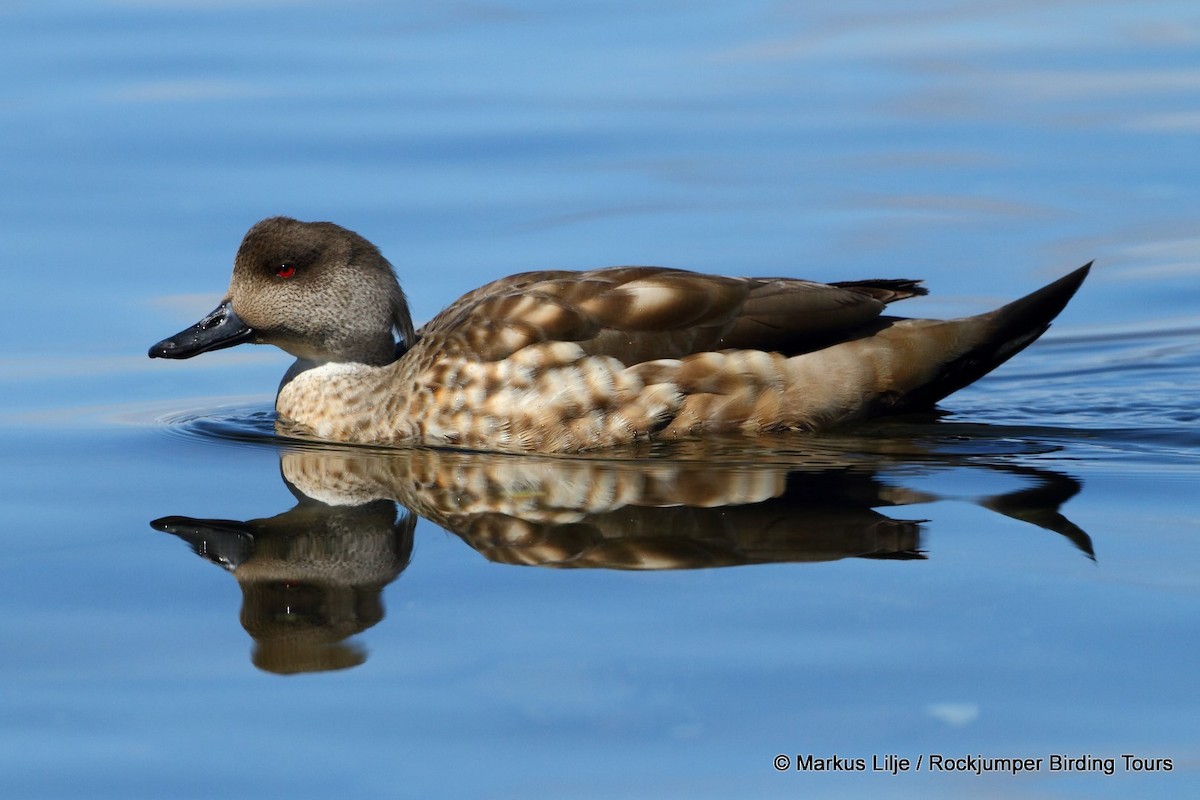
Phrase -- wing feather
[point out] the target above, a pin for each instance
(639, 314)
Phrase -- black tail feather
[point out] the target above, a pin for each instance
(1007, 331)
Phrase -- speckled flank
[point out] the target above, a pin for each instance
(544, 397)
(567, 361)
(553, 397)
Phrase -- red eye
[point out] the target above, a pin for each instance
(286, 270)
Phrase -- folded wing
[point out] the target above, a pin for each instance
(639, 314)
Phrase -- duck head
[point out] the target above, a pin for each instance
(314, 289)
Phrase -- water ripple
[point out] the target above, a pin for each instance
(251, 424)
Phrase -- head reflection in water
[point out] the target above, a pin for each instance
(312, 576)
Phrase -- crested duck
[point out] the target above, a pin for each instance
(560, 361)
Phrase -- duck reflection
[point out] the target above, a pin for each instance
(312, 576)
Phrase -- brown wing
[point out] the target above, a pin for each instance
(643, 313)
(791, 316)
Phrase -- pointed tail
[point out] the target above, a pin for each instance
(896, 365)
(984, 342)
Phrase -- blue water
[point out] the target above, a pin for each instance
(1014, 579)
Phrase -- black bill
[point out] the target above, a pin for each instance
(221, 328)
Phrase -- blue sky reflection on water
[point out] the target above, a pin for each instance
(986, 149)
